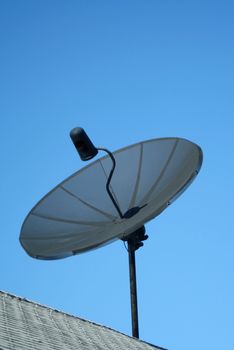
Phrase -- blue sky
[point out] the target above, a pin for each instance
(126, 71)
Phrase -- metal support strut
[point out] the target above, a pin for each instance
(109, 180)
(134, 242)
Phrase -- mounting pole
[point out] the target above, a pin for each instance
(134, 241)
(133, 289)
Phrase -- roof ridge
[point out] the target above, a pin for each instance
(76, 317)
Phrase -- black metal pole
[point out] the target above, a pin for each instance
(133, 288)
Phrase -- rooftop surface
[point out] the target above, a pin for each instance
(27, 325)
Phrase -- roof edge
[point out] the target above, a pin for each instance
(82, 319)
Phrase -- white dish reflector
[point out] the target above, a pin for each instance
(78, 215)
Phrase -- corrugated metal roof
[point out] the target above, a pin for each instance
(27, 325)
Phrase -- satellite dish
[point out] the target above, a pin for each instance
(111, 198)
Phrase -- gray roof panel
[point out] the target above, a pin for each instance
(27, 325)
